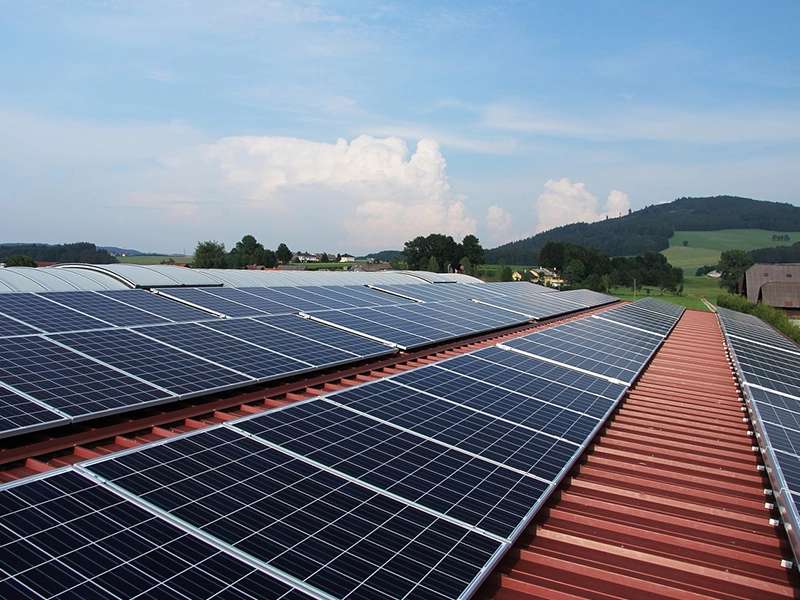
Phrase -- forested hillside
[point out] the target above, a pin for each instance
(649, 229)
(83, 252)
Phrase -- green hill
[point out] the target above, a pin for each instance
(651, 229)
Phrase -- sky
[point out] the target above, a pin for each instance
(354, 126)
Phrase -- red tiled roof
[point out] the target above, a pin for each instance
(669, 503)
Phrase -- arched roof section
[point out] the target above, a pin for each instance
(25, 279)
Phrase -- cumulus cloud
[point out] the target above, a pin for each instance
(498, 224)
(374, 191)
(565, 202)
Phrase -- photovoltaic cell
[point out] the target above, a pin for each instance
(532, 377)
(154, 362)
(158, 305)
(447, 481)
(211, 302)
(318, 527)
(772, 368)
(297, 299)
(69, 382)
(246, 297)
(9, 327)
(362, 322)
(505, 443)
(105, 308)
(536, 412)
(19, 415)
(535, 306)
(641, 318)
(257, 362)
(39, 312)
(64, 536)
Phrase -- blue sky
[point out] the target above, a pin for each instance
(355, 126)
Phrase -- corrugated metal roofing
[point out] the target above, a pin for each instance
(670, 502)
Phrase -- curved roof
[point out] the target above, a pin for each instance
(48, 279)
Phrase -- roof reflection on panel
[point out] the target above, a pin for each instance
(92, 543)
(154, 362)
(20, 415)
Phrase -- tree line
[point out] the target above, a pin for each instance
(593, 269)
(440, 253)
(247, 251)
(80, 252)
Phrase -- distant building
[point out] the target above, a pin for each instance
(774, 285)
(347, 258)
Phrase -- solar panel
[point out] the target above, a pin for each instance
(39, 312)
(248, 297)
(772, 368)
(640, 318)
(588, 298)
(459, 485)
(314, 525)
(69, 382)
(65, 536)
(19, 415)
(366, 322)
(212, 302)
(258, 362)
(535, 306)
(298, 299)
(592, 345)
(10, 327)
(154, 362)
(105, 308)
(529, 451)
(543, 410)
(352, 344)
(660, 306)
(158, 305)
(532, 377)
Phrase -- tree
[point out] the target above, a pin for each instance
(472, 254)
(442, 248)
(283, 254)
(732, 266)
(248, 251)
(210, 255)
(433, 265)
(324, 258)
(19, 260)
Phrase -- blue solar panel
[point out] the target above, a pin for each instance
(298, 299)
(318, 527)
(641, 318)
(157, 305)
(464, 487)
(39, 312)
(530, 451)
(9, 327)
(69, 382)
(773, 368)
(593, 345)
(154, 362)
(106, 308)
(247, 297)
(20, 415)
(532, 377)
(257, 362)
(65, 536)
(212, 302)
(354, 346)
(535, 306)
(366, 322)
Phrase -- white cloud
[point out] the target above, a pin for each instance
(564, 202)
(498, 224)
(371, 192)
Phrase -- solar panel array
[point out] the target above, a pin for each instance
(412, 486)
(616, 344)
(769, 367)
(150, 348)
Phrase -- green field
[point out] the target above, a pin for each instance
(152, 259)
(705, 247)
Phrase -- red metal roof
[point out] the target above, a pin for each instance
(669, 503)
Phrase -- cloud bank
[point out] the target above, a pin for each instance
(564, 202)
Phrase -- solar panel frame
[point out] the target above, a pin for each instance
(211, 302)
(104, 307)
(39, 312)
(176, 312)
(19, 414)
(358, 321)
(10, 327)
